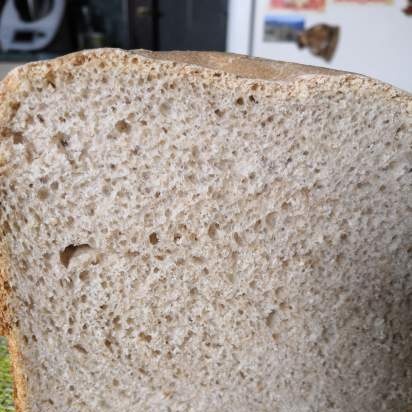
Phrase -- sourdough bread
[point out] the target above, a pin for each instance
(205, 232)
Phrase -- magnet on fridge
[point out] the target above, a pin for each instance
(284, 28)
(317, 5)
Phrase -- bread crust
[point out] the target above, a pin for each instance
(12, 90)
(4, 293)
(19, 380)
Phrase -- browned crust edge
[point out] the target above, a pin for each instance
(19, 379)
(239, 66)
(5, 322)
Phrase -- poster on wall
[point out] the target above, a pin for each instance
(283, 28)
(317, 5)
(365, 1)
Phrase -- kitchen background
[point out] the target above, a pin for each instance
(371, 37)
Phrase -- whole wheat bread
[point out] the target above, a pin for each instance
(205, 232)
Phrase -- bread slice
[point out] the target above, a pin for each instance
(205, 232)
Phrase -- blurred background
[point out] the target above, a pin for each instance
(371, 37)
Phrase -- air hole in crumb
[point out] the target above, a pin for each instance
(270, 219)
(6, 228)
(237, 238)
(240, 101)
(72, 250)
(83, 298)
(197, 259)
(80, 348)
(51, 78)
(106, 189)
(219, 112)
(122, 126)
(29, 155)
(258, 225)
(283, 306)
(270, 319)
(195, 151)
(164, 108)
(285, 206)
(17, 138)
(153, 238)
(115, 382)
(144, 337)
(61, 139)
(43, 194)
(212, 231)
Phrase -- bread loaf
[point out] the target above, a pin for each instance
(205, 232)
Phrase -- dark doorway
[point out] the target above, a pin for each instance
(178, 24)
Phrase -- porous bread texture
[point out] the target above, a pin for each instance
(205, 232)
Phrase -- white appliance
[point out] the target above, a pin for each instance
(18, 34)
(375, 39)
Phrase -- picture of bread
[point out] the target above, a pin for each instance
(198, 231)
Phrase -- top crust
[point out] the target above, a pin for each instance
(239, 66)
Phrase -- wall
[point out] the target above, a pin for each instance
(375, 40)
(6, 67)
